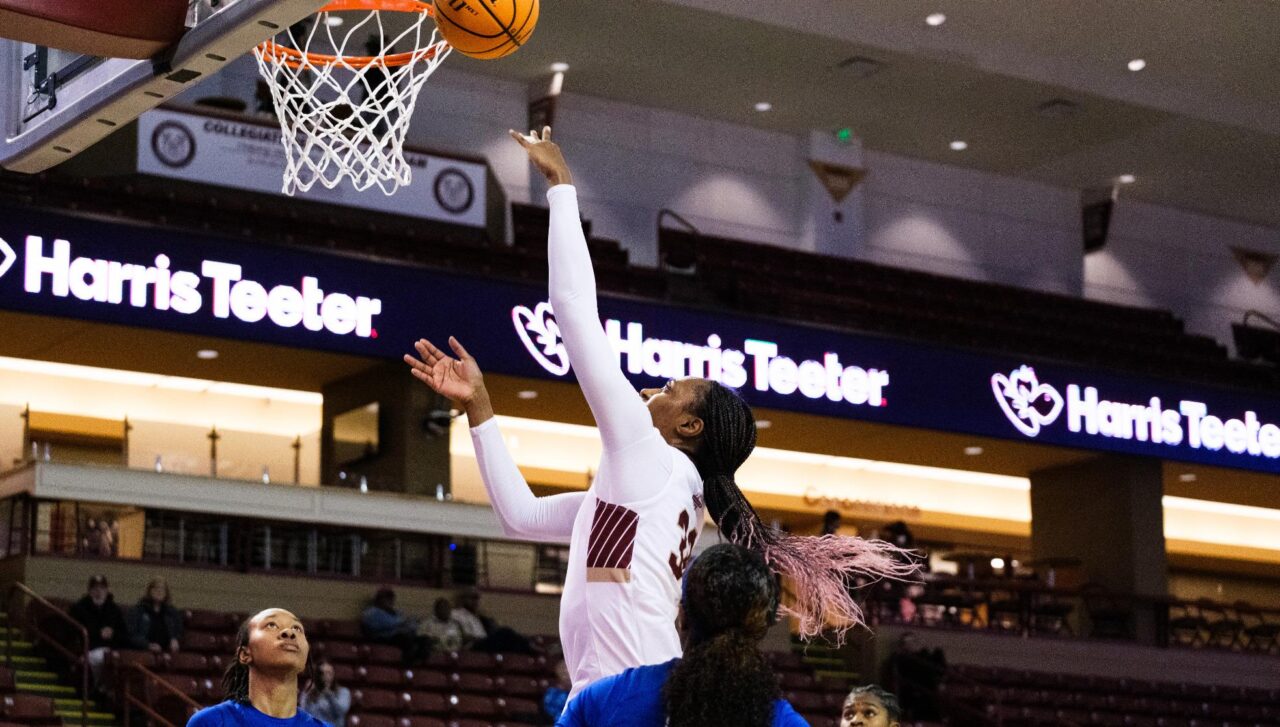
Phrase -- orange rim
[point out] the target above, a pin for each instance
(293, 57)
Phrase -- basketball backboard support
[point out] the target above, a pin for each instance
(53, 104)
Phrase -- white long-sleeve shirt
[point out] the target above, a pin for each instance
(632, 533)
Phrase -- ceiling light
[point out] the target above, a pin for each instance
(973, 451)
(1127, 179)
(206, 354)
(958, 145)
(559, 67)
(1187, 477)
(936, 19)
(527, 394)
(333, 21)
(763, 106)
(997, 563)
(1137, 64)
(763, 424)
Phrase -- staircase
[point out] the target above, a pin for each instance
(32, 675)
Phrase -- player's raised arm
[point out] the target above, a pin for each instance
(520, 513)
(618, 409)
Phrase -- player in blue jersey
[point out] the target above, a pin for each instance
(729, 600)
(262, 683)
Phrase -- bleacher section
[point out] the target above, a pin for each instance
(1015, 698)
(722, 273)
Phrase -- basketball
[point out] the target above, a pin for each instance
(486, 29)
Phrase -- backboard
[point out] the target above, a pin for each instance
(55, 104)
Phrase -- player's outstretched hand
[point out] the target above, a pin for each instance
(545, 155)
(456, 378)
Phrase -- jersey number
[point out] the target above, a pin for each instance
(679, 560)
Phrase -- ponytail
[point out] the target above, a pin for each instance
(235, 680)
(821, 571)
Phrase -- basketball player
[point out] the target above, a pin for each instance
(261, 683)
(870, 706)
(668, 455)
(730, 599)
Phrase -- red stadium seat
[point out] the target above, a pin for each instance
(343, 651)
(519, 709)
(472, 705)
(521, 664)
(342, 630)
(382, 701)
(29, 709)
(471, 683)
(428, 703)
(419, 721)
(185, 662)
(215, 621)
(476, 661)
(6, 680)
(203, 642)
(443, 660)
(469, 723)
(519, 686)
(382, 654)
(127, 657)
(372, 720)
(429, 680)
(381, 676)
(344, 673)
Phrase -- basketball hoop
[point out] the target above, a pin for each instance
(345, 115)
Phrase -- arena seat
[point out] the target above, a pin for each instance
(415, 721)
(205, 643)
(472, 705)
(429, 679)
(381, 676)
(382, 701)
(343, 651)
(185, 662)
(204, 620)
(428, 703)
(373, 720)
(472, 683)
(29, 709)
(382, 654)
(6, 680)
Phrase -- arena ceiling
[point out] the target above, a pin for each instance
(1199, 127)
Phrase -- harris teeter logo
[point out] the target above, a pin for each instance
(757, 363)
(1032, 406)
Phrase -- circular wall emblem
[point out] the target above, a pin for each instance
(453, 191)
(173, 144)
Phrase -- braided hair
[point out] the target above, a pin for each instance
(821, 570)
(235, 680)
(730, 599)
(887, 699)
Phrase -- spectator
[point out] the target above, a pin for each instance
(382, 623)
(870, 706)
(154, 623)
(482, 633)
(916, 674)
(327, 701)
(104, 621)
(553, 700)
(442, 628)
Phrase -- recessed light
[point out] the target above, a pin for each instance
(936, 19)
(1127, 179)
(997, 563)
(1187, 477)
(206, 354)
(527, 394)
(763, 424)
(763, 106)
(973, 451)
(958, 145)
(559, 67)
(1137, 64)
(333, 21)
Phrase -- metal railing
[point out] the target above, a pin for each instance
(137, 689)
(21, 605)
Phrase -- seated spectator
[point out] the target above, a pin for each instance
(483, 633)
(327, 701)
(382, 623)
(104, 621)
(553, 700)
(916, 673)
(154, 623)
(443, 630)
(870, 706)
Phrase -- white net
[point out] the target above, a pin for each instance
(343, 115)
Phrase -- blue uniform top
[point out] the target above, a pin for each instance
(634, 699)
(243, 714)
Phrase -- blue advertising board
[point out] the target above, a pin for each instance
(154, 278)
